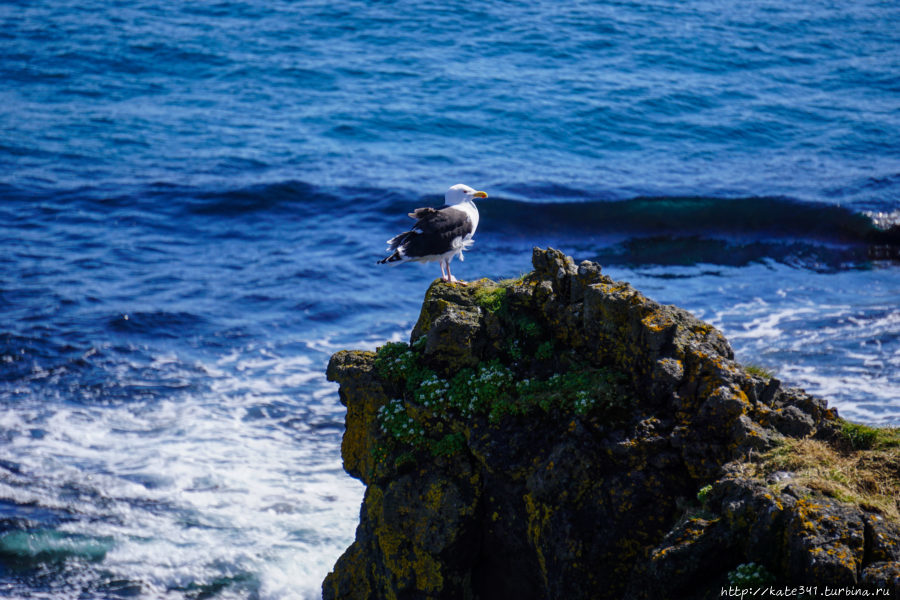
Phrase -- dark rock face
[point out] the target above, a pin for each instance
(804, 538)
(534, 495)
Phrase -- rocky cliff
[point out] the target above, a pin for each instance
(563, 436)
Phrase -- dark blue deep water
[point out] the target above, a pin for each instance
(193, 197)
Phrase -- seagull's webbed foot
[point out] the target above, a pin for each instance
(453, 279)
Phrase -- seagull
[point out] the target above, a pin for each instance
(439, 234)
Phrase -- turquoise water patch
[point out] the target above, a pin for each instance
(22, 548)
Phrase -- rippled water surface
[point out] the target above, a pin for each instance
(193, 198)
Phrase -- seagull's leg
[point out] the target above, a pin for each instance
(444, 275)
(450, 275)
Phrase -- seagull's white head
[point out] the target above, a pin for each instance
(461, 193)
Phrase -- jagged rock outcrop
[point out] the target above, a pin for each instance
(544, 438)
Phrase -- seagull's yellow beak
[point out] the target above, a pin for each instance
(479, 195)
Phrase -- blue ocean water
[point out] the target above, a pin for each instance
(193, 197)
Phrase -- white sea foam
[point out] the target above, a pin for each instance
(846, 354)
(198, 486)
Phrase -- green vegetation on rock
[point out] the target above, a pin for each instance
(750, 575)
(760, 371)
(490, 296)
(430, 404)
(396, 362)
(397, 423)
(703, 494)
(448, 445)
(863, 437)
